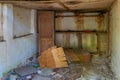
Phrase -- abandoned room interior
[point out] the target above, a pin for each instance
(60, 40)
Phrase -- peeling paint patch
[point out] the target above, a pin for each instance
(79, 21)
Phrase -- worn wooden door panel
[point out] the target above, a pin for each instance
(46, 30)
(45, 43)
(46, 23)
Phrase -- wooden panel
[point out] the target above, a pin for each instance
(53, 58)
(46, 30)
(72, 55)
(46, 23)
(45, 43)
(59, 57)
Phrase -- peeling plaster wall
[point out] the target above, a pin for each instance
(115, 37)
(14, 51)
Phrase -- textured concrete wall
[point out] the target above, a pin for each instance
(115, 37)
(14, 51)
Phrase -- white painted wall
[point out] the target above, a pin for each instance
(21, 17)
(115, 37)
(16, 51)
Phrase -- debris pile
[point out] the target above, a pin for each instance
(77, 71)
(52, 65)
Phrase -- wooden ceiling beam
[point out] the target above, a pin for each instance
(62, 4)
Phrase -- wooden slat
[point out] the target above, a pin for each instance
(62, 4)
(42, 60)
(53, 58)
(50, 60)
(59, 57)
(72, 55)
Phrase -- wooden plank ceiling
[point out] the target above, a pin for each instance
(89, 5)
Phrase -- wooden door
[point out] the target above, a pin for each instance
(46, 30)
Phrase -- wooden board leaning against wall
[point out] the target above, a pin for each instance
(45, 30)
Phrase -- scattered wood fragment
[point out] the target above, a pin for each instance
(53, 58)
(71, 55)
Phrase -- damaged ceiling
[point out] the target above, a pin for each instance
(83, 5)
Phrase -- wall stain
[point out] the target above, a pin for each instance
(68, 40)
(103, 43)
(63, 36)
(79, 20)
(100, 20)
(79, 38)
(59, 24)
(85, 40)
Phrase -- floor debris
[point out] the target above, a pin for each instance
(24, 71)
(98, 69)
(46, 72)
(38, 77)
(75, 71)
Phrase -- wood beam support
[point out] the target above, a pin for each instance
(62, 4)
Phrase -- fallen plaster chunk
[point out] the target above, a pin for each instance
(24, 71)
(38, 77)
(46, 72)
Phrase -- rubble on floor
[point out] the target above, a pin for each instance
(24, 71)
(97, 69)
(75, 71)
